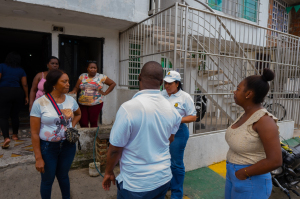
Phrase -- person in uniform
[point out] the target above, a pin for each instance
(184, 104)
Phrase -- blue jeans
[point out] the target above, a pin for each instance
(158, 193)
(58, 157)
(177, 166)
(254, 187)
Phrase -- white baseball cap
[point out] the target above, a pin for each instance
(172, 76)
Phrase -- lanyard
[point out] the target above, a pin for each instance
(53, 102)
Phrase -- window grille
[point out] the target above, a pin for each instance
(247, 9)
(135, 50)
(279, 16)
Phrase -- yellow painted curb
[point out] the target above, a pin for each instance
(219, 168)
(185, 197)
(13, 155)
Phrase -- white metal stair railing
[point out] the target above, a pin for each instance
(214, 84)
(213, 53)
(208, 82)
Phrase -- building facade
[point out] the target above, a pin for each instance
(77, 31)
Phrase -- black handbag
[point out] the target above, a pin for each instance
(71, 133)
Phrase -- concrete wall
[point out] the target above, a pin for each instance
(204, 150)
(130, 10)
(124, 95)
(110, 50)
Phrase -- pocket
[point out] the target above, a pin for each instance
(269, 186)
(44, 146)
(242, 185)
(239, 179)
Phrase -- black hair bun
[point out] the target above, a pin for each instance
(268, 75)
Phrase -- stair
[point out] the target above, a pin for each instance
(192, 61)
(209, 73)
(209, 80)
(220, 75)
(216, 83)
(229, 99)
(162, 37)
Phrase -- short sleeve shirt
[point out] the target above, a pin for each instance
(182, 101)
(143, 127)
(89, 94)
(11, 77)
(51, 128)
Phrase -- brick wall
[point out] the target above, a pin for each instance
(294, 28)
(101, 150)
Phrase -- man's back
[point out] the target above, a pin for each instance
(143, 127)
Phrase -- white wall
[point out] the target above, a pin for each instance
(110, 50)
(204, 150)
(130, 10)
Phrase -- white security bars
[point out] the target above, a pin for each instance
(214, 53)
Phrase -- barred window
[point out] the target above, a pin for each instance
(279, 16)
(247, 9)
(135, 50)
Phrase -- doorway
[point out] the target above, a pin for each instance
(34, 48)
(75, 52)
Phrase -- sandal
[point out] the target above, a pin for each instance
(14, 137)
(6, 143)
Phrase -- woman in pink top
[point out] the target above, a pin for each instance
(37, 89)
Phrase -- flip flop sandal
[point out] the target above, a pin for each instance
(14, 137)
(5, 145)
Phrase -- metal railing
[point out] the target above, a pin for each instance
(214, 53)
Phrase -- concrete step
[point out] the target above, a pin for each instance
(216, 83)
(168, 44)
(209, 73)
(178, 52)
(153, 28)
(224, 90)
(229, 99)
(192, 61)
(166, 37)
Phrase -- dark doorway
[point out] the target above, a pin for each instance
(75, 51)
(34, 48)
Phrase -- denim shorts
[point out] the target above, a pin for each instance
(254, 187)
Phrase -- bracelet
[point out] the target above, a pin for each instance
(247, 173)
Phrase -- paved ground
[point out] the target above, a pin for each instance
(20, 151)
(23, 182)
(20, 180)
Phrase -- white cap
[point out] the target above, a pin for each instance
(172, 76)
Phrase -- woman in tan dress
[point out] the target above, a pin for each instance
(253, 139)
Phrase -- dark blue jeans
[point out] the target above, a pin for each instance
(158, 193)
(177, 166)
(58, 157)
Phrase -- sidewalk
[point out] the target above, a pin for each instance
(20, 180)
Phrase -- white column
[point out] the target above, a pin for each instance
(55, 44)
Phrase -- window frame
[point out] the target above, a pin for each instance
(239, 11)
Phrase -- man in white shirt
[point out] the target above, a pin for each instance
(140, 138)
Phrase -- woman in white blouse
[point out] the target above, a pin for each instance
(53, 153)
(184, 104)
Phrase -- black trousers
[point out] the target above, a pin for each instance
(11, 102)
